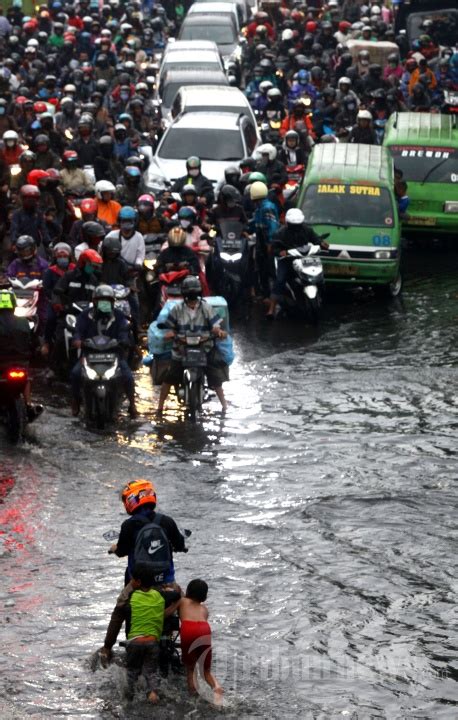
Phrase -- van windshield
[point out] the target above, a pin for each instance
(220, 34)
(208, 144)
(331, 203)
(426, 164)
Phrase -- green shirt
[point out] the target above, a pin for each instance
(147, 614)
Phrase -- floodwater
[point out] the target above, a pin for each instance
(323, 509)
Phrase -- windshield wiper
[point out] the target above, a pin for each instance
(432, 170)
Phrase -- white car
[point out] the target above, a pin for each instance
(208, 59)
(218, 139)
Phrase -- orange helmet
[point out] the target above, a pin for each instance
(136, 493)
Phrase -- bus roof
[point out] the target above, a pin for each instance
(417, 127)
(350, 163)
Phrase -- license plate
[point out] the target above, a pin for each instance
(421, 221)
(232, 245)
(350, 270)
(101, 358)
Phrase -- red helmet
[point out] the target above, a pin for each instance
(70, 155)
(40, 107)
(30, 191)
(311, 26)
(89, 256)
(54, 174)
(138, 492)
(88, 206)
(344, 25)
(35, 176)
(21, 99)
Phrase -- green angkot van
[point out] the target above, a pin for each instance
(425, 147)
(348, 192)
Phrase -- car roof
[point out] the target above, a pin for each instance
(203, 19)
(205, 74)
(209, 121)
(342, 162)
(178, 45)
(212, 7)
(193, 56)
(415, 127)
(220, 95)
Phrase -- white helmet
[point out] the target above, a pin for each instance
(294, 216)
(375, 10)
(258, 190)
(344, 81)
(364, 115)
(70, 89)
(287, 34)
(32, 43)
(102, 186)
(267, 149)
(10, 136)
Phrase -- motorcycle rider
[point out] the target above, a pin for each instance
(16, 345)
(265, 223)
(149, 221)
(139, 499)
(28, 219)
(363, 132)
(193, 312)
(92, 236)
(295, 233)
(194, 177)
(107, 208)
(80, 283)
(73, 177)
(273, 169)
(291, 153)
(62, 255)
(115, 270)
(102, 319)
(177, 255)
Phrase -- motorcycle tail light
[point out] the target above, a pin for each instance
(16, 374)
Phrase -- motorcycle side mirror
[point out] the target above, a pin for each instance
(324, 245)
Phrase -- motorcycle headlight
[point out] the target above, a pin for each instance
(71, 321)
(110, 372)
(298, 266)
(156, 181)
(231, 258)
(150, 264)
(90, 372)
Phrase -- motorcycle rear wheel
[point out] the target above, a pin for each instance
(17, 420)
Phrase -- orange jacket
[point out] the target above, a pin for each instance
(108, 211)
(415, 78)
(289, 123)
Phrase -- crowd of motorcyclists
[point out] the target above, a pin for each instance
(78, 107)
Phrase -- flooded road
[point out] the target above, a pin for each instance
(323, 510)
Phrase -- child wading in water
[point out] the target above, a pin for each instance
(195, 635)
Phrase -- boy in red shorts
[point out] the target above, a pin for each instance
(195, 633)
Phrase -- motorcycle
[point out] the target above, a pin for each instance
(13, 412)
(305, 286)
(450, 104)
(148, 281)
(270, 131)
(231, 261)
(295, 174)
(65, 355)
(194, 363)
(101, 378)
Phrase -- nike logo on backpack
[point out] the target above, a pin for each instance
(154, 547)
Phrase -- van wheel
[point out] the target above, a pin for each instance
(392, 290)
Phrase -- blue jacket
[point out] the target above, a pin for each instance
(91, 323)
(26, 223)
(265, 220)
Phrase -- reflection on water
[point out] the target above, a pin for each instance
(323, 511)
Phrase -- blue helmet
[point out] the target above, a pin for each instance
(127, 214)
(303, 77)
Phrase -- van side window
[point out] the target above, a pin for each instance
(249, 134)
(176, 107)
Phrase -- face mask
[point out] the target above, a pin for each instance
(185, 223)
(89, 269)
(62, 262)
(124, 96)
(104, 306)
(194, 172)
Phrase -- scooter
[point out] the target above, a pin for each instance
(194, 363)
(305, 287)
(101, 378)
(13, 411)
(231, 261)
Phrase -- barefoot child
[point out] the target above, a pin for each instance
(195, 635)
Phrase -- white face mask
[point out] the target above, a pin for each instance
(185, 223)
(194, 172)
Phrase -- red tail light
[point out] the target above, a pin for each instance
(16, 374)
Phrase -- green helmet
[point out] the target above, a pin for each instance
(257, 177)
(193, 162)
(7, 300)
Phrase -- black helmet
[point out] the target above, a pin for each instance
(230, 195)
(93, 231)
(111, 247)
(316, 73)
(41, 140)
(104, 292)
(375, 69)
(26, 247)
(248, 162)
(329, 92)
(101, 86)
(191, 288)
(232, 173)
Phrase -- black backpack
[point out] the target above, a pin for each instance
(152, 546)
